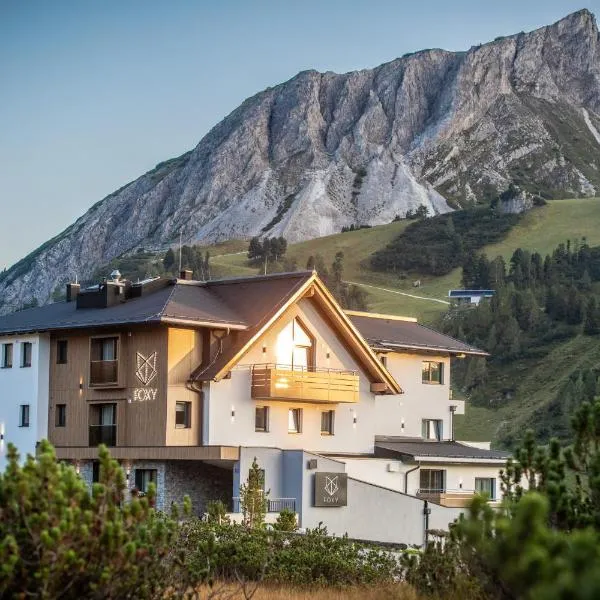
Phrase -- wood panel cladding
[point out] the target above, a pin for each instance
(141, 416)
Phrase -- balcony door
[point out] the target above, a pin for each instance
(104, 361)
(295, 347)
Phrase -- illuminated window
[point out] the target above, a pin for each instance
(294, 346)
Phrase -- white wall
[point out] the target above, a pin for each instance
(24, 385)
(459, 477)
(233, 394)
(419, 400)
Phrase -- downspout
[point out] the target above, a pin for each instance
(406, 474)
(426, 513)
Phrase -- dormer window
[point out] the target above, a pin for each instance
(295, 346)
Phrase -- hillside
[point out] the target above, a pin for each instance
(433, 129)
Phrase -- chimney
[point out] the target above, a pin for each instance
(72, 291)
(186, 274)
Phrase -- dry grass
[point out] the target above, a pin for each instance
(268, 592)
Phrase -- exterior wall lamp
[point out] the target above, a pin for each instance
(232, 414)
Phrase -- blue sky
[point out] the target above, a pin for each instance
(93, 94)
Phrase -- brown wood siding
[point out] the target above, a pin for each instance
(154, 453)
(138, 423)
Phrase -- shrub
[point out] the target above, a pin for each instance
(286, 521)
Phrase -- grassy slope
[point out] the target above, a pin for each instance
(540, 230)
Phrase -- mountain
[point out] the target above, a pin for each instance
(436, 129)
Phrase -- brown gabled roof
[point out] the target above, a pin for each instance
(262, 303)
(392, 333)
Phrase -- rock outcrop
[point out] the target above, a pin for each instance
(303, 159)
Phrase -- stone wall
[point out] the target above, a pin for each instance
(200, 481)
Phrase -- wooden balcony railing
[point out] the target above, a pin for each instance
(283, 382)
(103, 434)
(449, 498)
(104, 372)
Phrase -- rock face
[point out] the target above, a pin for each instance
(323, 151)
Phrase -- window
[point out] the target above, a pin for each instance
(432, 372)
(104, 349)
(26, 348)
(103, 424)
(486, 485)
(24, 415)
(96, 471)
(432, 480)
(294, 347)
(61, 352)
(383, 359)
(61, 415)
(295, 420)
(104, 365)
(7, 355)
(327, 419)
(183, 415)
(432, 429)
(261, 419)
(143, 478)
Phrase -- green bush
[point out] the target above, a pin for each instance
(286, 521)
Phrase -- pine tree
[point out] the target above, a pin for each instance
(253, 498)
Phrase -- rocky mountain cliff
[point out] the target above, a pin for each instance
(321, 151)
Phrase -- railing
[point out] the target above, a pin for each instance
(450, 498)
(103, 372)
(274, 505)
(103, 434)
(311, 384)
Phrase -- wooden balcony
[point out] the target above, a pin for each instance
(301, 384)
(104, 373)
(448, 498)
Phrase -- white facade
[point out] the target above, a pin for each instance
(229, 410)
(25, 383)
(403, 414)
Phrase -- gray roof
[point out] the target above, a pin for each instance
(390, 333)
(414, 449)
(238, 303)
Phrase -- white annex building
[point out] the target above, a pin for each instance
(349, 414)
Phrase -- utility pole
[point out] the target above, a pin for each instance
(180, 253)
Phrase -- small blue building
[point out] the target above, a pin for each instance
(469, 296)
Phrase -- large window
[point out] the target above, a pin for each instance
(103, 424)
(294, 347)
(327, 422)
(486, 485)
(295, 420)
(183, 415)
(61, 352)
(26, 351)
(432, 480)
(261, 419)
(432, 429)
(7, 356)
(24, 415)
(61, 415)
(104, 365)
(143, 478)
(432, 372)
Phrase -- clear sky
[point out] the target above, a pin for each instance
(93, 94)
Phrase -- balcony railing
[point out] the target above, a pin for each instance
(449, 498)
(309, 384)
(103, 434)
(274, 505)
(104, 372)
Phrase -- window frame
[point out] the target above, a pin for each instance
(7, 353)
(429, 380)
(95, 339)
(60, 410)
(439, 435)
(187, 415)
(153, 479)
(492, 480)
(64, 345)
(24, 411)
(330, 416)
(298, 429)
(25, 346)
(265, 410)
(431, 475)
